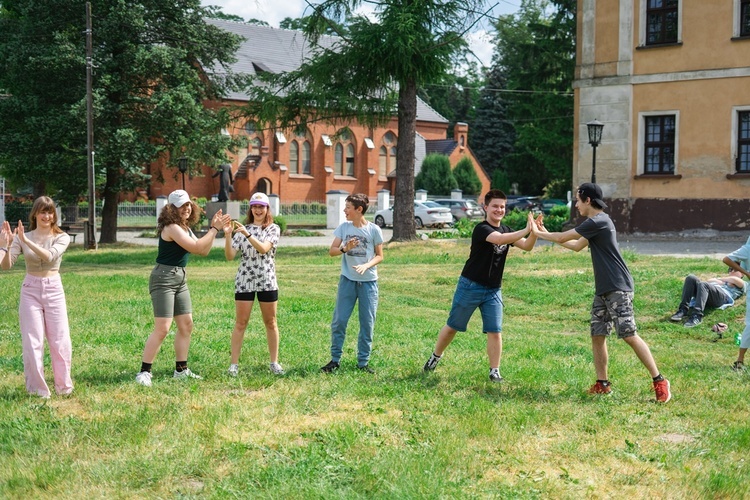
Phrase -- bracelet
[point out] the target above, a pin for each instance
(217, 231)
(341, 248)
(3, 248)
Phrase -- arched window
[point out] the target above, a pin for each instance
(338, 159)
(294, 157)
(344, 154)
(388, 154)
(253, 147)
(305, 158)
(383, 162)
(350, 160)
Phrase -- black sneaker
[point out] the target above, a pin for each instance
(694, 320)
(495, 376)
(366, 369)
(331, 367)
(431, 363)
(738, 366)
(678, 316)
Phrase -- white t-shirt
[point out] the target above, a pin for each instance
(257, 271)
(369, 237)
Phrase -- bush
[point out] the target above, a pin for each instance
(280, 221)
(16, 210)
(435, 176)
(466, 177)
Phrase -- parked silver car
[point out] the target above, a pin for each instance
(461, 209)
(426, 214)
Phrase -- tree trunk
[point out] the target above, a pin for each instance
(403, 212)
(109, 211)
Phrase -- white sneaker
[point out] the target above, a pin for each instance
(233, 370)
(276, 369)
(186, 373)
(143, 378)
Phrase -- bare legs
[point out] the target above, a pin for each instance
(243, 308)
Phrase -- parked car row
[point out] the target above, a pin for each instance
(461, 209)
(426, 214)
(444, 212)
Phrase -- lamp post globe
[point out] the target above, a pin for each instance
(595, 138)
(182, 166)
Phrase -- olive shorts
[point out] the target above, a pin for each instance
(169, 292)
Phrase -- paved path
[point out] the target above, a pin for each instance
(695, 244)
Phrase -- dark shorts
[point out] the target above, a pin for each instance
(266, 296)
(170, 296)
(613, 309)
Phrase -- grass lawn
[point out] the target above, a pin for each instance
(399, 433)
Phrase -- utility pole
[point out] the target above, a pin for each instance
(90, 226)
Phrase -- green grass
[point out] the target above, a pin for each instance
(397, 434)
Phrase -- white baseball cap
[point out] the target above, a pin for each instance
(259, 199)
(178, 198)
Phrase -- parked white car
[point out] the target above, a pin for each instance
(426, 214)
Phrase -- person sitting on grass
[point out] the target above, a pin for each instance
(697, 295)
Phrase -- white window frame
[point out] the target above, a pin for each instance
(733, 141)
(643, 5)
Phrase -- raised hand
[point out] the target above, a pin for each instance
(20, 232)
(216, 219)
(6, 235)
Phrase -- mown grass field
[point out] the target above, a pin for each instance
(399, 433)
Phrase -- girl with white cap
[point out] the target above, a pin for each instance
(256, 275)
(168, 281)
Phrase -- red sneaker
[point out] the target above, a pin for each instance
(661, 388)
(600, 388)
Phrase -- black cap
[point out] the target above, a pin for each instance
(593, 192)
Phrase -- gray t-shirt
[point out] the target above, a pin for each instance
(369, 237)
(610, 271)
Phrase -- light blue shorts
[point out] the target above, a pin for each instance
(470, 295)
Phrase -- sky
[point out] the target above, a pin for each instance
(273, 11)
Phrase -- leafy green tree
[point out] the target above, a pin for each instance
(368, 72)
(435, 175)
(536, 50)
(500, 181)
(149, 92)
(466, 177)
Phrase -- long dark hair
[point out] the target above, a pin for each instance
(44, 204)
(170, 214)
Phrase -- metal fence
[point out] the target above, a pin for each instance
(143, 214)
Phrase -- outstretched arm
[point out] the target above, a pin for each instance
(569, 239)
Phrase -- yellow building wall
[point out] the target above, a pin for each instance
(707, 29)
(607, 46)
(704, 129)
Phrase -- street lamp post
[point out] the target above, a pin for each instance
(182, 165)
(595, 138)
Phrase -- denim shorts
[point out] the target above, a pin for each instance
(470, 295)
(613, 309)
(169, 292)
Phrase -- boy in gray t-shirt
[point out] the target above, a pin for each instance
(613, 299)
(360, 245)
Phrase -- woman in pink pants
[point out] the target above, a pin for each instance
(42, 310)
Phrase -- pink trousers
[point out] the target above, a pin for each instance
(42, 313)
